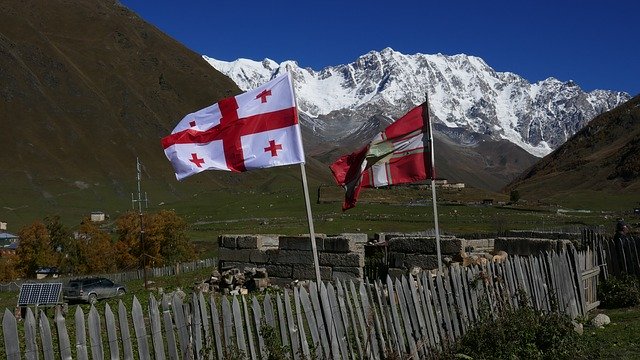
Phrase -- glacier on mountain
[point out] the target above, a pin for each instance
(463, 91)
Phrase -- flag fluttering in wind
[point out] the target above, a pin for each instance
(254, 130)
(397, 155)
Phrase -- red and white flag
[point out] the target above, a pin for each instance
(254, 130)
(397, 155)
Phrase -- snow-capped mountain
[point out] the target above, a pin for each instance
(465, 94)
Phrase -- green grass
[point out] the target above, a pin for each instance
(620, 339)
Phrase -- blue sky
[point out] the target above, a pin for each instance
(594, 43)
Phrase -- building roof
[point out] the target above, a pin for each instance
(7, 236)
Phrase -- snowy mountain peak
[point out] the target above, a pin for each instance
(464, 92)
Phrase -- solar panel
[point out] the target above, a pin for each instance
(39, 294)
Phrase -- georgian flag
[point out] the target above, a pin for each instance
(254, 130)
(396, 155)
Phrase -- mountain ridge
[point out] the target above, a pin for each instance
(464, 92)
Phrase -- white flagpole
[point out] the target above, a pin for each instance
(312, 233)
(433, 186)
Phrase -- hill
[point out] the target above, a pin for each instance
(87, 87)
(598, 167)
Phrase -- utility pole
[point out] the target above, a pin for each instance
(139, 200)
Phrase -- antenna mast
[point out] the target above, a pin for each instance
(140, 200)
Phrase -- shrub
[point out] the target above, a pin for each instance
(618, 292)
(521, 334)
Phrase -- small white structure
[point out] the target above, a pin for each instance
(97, 216)
(3, 225)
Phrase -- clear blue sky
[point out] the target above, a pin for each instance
(594, 43)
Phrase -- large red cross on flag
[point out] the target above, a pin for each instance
(254, 130)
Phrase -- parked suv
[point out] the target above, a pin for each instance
(92, 289)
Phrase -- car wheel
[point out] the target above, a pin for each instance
(121, 292)
(93, 298)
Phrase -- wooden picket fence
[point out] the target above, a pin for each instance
(616, 256)
(404, 317)
(126, 276)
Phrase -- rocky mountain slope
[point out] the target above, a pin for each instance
(603, 158)
(343, 103)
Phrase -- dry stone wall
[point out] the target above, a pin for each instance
(288, 258)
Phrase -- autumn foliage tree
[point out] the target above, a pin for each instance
(35, 250)
(164, 240)
(91, 249)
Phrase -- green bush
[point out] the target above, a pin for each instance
(521, 334)
(618, 292)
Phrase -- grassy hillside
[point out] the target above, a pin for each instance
(599, 167)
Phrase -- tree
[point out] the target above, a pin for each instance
(35, 250)
(8, 268)
(95, 249)
(63, 244)
(175, 245)
(165, 239)
(514, 196)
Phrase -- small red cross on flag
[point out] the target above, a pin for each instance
(231, 135)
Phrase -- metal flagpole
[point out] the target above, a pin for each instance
(433, 185)
(312, 233)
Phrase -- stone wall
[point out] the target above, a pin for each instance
(528, 246)
(288, 258)
(407, 252)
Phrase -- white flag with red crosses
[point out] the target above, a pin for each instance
(254, 130)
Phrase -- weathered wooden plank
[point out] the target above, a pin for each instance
(125, 334)
(326, 310)
(46, 337)
(444, 330)
(30, 341)
(227, 326)
(10, 335)
(398, 332)
(448, 316)
(269, 316)
(169, 334)
(311, 320)
(372, 322)
(458, 297)
(204, 320)
(237, 321)
(247, 324)
(412, 287)
(507, 268)
(354, 321)
(404, 312)
(322, 325)
(338, 321)
(346, 324)
(427, 309)
(472, 285)
(416, 327)
(217, 331)
(465, 293)
(182, 326)
(284, 333)
(386, 319)
(112, 334)
(357, 308)
(81, 337)
(294, 334)
(196, 326)
(300, 324)
(257, 318)
(97, 353)
(137, 315)
(63, 335)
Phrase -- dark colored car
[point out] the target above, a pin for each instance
(92, 289)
